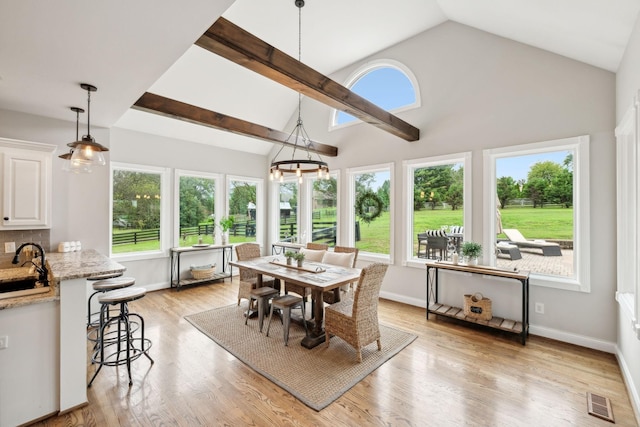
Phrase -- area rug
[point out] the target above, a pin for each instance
(316, 377)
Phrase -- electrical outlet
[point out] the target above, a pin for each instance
(4, 342)
(9, 247)
(539, 308)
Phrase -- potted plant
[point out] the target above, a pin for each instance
(289, 255)
(226, 223)
(471, 251)
(299, 256)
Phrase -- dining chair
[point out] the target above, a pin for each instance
(248, 278)
(356, 320)
(331, 297)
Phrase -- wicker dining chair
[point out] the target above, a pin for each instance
(301, 290)
(248, 278)
(356, 321)
(330, 296)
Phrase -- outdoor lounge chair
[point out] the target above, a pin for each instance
(516, 238)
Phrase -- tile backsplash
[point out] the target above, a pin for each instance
(41, 237)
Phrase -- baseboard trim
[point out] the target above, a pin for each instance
(581, 340)
(628, 382)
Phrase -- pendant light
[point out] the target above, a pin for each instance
(78, 167)
(87, 152)
(302, 165)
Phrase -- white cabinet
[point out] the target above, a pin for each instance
(26, 184)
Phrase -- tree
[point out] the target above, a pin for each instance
(136, 198)
(507, 189)
(197, 196)
(383, 193)
(535, 190)
(242, 193)
(454, 196)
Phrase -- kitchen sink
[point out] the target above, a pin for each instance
(17, 282)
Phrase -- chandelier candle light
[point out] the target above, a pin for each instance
(302, 141)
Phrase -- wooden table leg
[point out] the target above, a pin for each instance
(316, 335)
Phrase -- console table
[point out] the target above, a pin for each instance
(513, 326)
(278, 248)
(227, 255)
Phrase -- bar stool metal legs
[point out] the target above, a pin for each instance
(120, 346)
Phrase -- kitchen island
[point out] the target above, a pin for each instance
(43, 370)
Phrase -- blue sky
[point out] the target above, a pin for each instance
(518, 167)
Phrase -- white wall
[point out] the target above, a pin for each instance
(627, 86)
(481, 91)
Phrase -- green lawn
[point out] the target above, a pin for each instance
(545, 223)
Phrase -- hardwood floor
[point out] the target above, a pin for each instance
(452, 375)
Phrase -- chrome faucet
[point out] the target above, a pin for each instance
(42, 269)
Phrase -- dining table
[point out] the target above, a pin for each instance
(317, 276)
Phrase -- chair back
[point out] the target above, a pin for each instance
(514, 235)
(317, 246)
(365, 301)
(348, 250)
(244, 252)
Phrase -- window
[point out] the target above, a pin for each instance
(196, 207)
(324, 210)
(371, 216)
(139, 200)
(388, 84)
(245, 205)
(541, 190)
(288, 213)
(438, 197)
(628, 186)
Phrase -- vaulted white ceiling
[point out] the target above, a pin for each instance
(126, 48)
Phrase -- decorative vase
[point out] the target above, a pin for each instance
(224, 238)
(289, 261)
(299, 263)
(472, 261)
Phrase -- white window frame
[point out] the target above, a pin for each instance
(351, 215)
(165, 211)
(218, 199)
(260, 206)
(628, 223)
(367, 68)
(409, 167)
(579, 145)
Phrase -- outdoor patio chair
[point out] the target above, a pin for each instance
(516, 238)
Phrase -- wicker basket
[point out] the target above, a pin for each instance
(477, 306)
(202, 273)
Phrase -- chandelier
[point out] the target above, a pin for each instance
(302, 142)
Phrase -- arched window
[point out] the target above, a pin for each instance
(388, 84)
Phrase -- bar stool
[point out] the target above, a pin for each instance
(285, 303)
(262, 296)
(105, 283)
(105, 354)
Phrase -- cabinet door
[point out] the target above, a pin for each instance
(26, 189)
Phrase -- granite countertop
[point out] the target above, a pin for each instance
(83, 264)
(62, 266)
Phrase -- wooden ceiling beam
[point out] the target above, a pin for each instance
(167, 107)
(237, 45)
